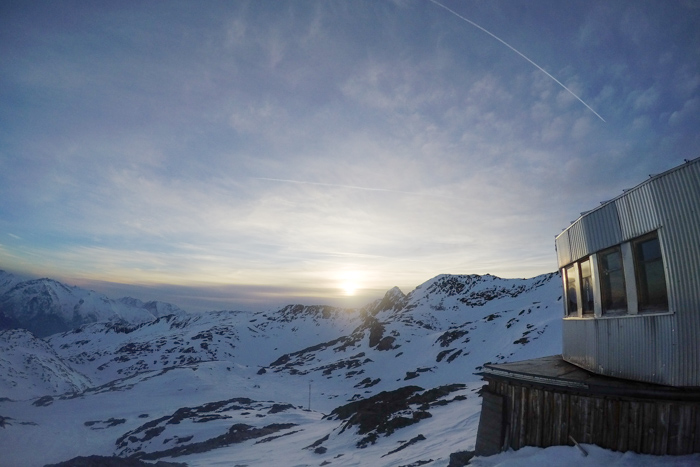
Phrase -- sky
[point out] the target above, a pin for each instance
(240, 154)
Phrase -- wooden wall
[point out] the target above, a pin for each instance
(544, 416)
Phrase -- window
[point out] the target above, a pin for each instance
(571, 287)
(612, 281)
(651, 281)
(586, 287)
(622, 272)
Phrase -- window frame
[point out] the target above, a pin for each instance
(633, 276)
(587, 306)
(569, 313)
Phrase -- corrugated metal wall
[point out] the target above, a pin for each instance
(677, 204)
(637, 213)
(592, 232)
(563, 248)
(659, 349)
(601, 229)
(639, 348)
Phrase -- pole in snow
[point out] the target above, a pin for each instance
(310, 395)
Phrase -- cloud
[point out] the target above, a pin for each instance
(690, 108)
(644, 100)
(287, 145)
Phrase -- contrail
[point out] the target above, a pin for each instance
(517, 52)
(335, 185)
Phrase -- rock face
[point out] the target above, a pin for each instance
(46, 306)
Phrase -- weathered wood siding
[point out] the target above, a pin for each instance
(545, 416)
(489, 440)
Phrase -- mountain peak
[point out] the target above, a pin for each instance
(46, 306)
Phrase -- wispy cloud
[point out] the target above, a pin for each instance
(351, 187)
(519, 53)
(287, 145)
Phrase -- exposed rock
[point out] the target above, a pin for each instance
(460, 459)
(102, 461)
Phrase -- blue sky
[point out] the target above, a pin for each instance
(233, 154)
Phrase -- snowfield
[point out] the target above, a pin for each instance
(392, 384)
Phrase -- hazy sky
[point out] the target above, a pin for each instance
(285, 151)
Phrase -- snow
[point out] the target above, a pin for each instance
(46, 306)
(143, 388)
(556, 456)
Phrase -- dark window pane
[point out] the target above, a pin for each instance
(655, 292)
(612, 260)
(571, 286)
(612, 280)
(586, 287)
(617, 299)
(649, 250)
(651, 282)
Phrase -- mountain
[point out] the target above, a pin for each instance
(46, 306)
(392, 383)
(30, 366)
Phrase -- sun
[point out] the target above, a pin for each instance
(349, 288)
(349, 282)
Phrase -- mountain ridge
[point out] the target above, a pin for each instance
(192, 386)
(46, 306)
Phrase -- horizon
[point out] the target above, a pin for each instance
(226, 298)
(257, 153)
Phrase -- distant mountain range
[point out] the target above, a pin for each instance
(45, 306)
(391, 383)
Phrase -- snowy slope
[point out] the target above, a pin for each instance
(433, 335)
(30, 368)
(46, 306)
(228, 386)
(108, 350)
(389, 384)
(7, 281)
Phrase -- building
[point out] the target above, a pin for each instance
(631, 272)
(629, 374)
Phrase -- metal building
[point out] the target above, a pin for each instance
(631, 273)
(629, 374)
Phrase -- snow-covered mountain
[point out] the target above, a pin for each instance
(30, 366)
(46, 306)
(392, 383)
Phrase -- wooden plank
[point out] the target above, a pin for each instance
(648, 412)
(535, 422)
(575, 423)
(613, 423)
(566, 421)
(514, 416)
(548, 419)
(696, 428)
(635, 426)
(676, 420)
(624, 426)
(596, 411)
(489, 437)
(585, 420)
(686, 429)
(522, 418)
(661, 427)
(540, 418)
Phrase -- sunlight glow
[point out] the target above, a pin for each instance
(349, 288)
(350, 282)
